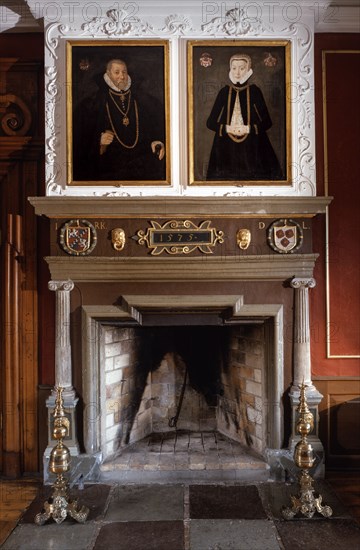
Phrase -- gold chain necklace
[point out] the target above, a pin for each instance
(136, 131)
(124, 112)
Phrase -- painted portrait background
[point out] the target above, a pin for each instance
(147, 65)
(270, 74)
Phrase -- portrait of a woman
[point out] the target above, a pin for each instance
(239, 112)
(241, 148)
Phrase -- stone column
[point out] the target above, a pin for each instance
(63, 371)
(302, 358)
(63, 368)
(302, 366)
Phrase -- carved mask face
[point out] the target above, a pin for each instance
(243, 238)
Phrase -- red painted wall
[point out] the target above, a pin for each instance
(337, 89)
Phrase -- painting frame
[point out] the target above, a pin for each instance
(271, 64)
(86, 65)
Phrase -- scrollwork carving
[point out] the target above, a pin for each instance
(305, 173)
(177, 24)
(51, 87)
(305, 114)
(117, 22)
(305, 43)
(306, 164)
(15, 115)
(236, 24)
(303, 283)
(61, 285)
(52, 42)
(52, 170)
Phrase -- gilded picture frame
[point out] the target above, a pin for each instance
(249, 147)
(118, 128)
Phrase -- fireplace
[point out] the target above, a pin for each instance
(234, 319)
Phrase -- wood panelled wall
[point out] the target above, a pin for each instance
(335, 301)
(21, 175)
(340, 421)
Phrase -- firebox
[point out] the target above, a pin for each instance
(188, 378)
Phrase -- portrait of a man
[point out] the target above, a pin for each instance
(119, 114)
(239, 130)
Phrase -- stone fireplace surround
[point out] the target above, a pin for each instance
(224, 288)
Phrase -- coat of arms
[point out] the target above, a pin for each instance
(78, 237)
(285, 236)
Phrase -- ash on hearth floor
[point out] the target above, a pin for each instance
(188, 517)
(185, 456)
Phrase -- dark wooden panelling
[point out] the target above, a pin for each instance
(21, 175)
(340, 421)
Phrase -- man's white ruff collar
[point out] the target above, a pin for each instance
(111, 85)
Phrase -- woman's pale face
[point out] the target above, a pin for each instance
(118, 75)
(238, 68)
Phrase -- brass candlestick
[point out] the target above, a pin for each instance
(59, 505)
(306, 503)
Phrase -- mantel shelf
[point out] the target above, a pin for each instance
(169, 207)
(180, 269)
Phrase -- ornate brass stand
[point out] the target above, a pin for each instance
(59, 505)
(306, 503)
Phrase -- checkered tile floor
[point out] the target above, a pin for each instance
(188, 517)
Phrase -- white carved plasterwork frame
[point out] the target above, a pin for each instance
(179, 23)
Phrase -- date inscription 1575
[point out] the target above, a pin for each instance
(180, 237)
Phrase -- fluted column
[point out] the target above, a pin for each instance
(63, 370)
(302, 368)
(302, 357)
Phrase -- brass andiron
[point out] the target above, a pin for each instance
(59, 505)
(306, 503)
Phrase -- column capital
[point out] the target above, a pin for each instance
(61, 285)
(298, 282)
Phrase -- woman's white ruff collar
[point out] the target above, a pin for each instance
(243, 79)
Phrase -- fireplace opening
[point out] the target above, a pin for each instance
(180, 383)
(174, 384)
